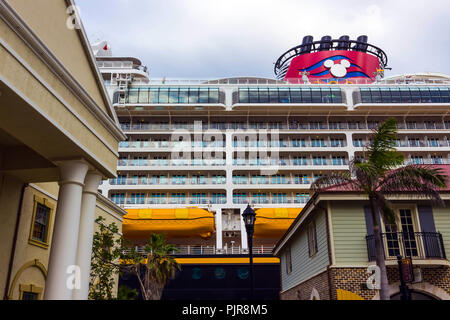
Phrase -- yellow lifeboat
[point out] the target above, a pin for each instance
(274, 222)
(174, 223)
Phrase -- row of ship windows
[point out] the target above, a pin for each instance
(283, 95)
(315, 125)
(283, 143)
(173, 95)
(287, 143)
(405, 95)
(290, 95)
(214, 198)
(214, 180)
(281, 161)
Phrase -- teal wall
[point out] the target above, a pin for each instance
(303, 266)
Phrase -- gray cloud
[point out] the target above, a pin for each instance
(218, 38)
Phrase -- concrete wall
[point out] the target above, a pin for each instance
(10, 190)
(24, 271)
(62, 41)
(30, 260)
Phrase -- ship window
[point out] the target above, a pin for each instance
(395, 95)
(183, 95)
(316, 95)
(173, 96)
(163, 95)
(213, 96)
(263, 95)
(336, 95)
(273, 95)
(197, 273)
(365, 95)
(326, 96)
(376, 96)
(296, 96)
(204, 95)
(306, 96)
(425, 95)
(153, 96)
(445, 94)
(193, 95)
(253, 95)
(133, 95)
(143, 96)
(284, 95)
(405, 94)
(243, 96)
(415, 95)
(386, 95)
(435, 95)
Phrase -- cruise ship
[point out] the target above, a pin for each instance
(200, 151)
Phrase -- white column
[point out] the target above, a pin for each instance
(86, 233)
(63, 252)
(219, 230)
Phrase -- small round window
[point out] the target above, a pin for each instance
(197, 273)
(220, 273)
(243, 273)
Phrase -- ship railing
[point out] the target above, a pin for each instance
(291, 81)
(202, 250)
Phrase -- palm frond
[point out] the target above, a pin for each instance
(382, 153)
(384, 137)
(341, 179)
(424, 181)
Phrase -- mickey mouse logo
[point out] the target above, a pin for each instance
(337, 70)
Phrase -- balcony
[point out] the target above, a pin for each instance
(184, 181)
(170, 163)
(291, 125)
(417, 245)
(284, 200)
(200, 250)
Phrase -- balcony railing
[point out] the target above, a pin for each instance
(271, 200)
(166, 182)
(292, 125)
(417, 245)
(200, 250)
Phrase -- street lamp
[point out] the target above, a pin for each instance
(249, 217)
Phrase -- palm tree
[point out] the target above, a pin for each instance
(382, 172)
(159, 266)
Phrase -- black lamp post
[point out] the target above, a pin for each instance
(249, 217)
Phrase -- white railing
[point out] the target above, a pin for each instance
(293, 81)
(282, 126)
(201, 250)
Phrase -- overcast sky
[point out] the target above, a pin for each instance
(203, 39)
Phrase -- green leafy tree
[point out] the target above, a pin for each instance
(126, 293)
(106, 251)
(382, 172)
(153, 267)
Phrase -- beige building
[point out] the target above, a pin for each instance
(59, 138)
